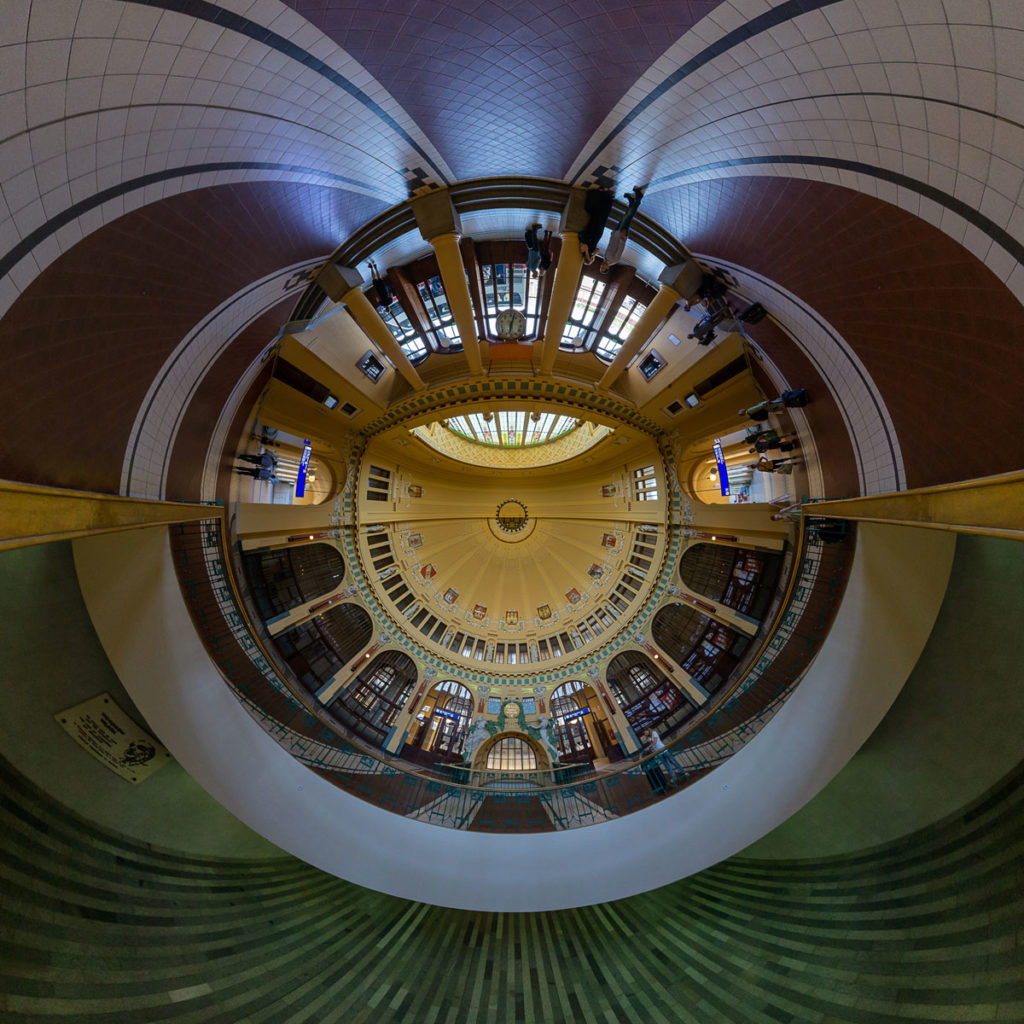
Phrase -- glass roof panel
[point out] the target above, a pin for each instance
(512, 428)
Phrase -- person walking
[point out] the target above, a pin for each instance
(598, 203)
(758, 412)
(617, 242)
(381, 287)
(545, 252)
(265, 461)
(533, 253)
(770, 439)
(766, 465)
(793, 399)
(653, 743)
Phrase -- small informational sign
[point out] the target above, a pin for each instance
(300, 479)
(450, 715)
(104, 730)
(723, 470)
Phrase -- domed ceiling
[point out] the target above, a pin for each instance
(511, 566)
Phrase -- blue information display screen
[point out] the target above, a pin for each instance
(575, 714)
(723, 471)
(300, 480)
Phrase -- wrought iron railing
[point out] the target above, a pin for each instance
(548, 804)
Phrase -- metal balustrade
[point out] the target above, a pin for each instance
(561, 799)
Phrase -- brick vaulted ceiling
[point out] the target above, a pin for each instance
(855, 163)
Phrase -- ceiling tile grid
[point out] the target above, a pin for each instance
(128, 102)
(904, 105)
(505, 88)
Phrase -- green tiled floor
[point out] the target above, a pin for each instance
(96, 928)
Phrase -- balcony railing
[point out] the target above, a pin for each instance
(555, 802)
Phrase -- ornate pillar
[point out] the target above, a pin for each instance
(439, 225)
(676, 283)
(344, 284)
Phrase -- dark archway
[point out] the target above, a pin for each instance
(285, 578)
(371, 703)
(646, 695)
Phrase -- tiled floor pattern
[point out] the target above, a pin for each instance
(920, 930)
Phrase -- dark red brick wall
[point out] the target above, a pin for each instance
(940, 334)
(83, 343)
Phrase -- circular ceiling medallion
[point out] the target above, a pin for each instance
(511, 516)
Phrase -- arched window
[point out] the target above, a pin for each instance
(318, 649)
(282, 580)
(706, 569)
(585, 314)
(445, 718)
(739, 578)
(373, 700)
(402, 329)
(508, 286)
(439, 313)
(646, 695)
(705, 649)
(569, 707)
(512, 754)
(677, 628)
(621, 327)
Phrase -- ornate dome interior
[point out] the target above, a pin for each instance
(359, 527)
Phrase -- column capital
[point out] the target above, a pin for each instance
(337, 281)
(435, 214)
(683, 278)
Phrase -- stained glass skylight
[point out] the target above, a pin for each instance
(512, 428)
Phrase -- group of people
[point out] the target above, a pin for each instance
(768, 440)
(263, 465)
(538, 251)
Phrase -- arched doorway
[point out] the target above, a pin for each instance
(373, 700)
(285, 578)
(646, 695)
(706, 650)
(441, 726)
(582, 732)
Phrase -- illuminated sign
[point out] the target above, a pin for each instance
(300, 480)
(446, 714)
(723, 472)
(575, 714)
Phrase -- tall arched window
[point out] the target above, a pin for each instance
(584, 317)
(508, 286)
(677, 629)
(646, 695)
(705, 649)
(373, 700)
(283, 579)
(444, 721)
(512, 754)
(318, 649)
(739, 578)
